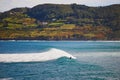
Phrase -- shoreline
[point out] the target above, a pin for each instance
(60, 40)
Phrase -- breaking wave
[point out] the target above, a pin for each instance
(32, 57)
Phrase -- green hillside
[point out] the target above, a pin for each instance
(61, 22)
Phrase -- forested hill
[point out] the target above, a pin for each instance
(61, 22)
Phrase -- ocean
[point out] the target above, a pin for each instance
(59, 60)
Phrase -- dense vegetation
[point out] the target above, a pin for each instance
(61, 22)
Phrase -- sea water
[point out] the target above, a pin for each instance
(59, 60)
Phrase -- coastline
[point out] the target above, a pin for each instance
(61, 40)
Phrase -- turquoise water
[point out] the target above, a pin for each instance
(95, 61)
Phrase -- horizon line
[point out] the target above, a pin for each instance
(57, 4)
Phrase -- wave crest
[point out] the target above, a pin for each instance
(44, 56)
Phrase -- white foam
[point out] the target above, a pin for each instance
(28, 57)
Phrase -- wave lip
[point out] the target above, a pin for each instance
(44, 56)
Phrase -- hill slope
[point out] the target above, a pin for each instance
(61, 22)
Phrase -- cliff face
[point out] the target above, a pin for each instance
(61, 22)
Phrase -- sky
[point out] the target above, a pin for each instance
(9, 4)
